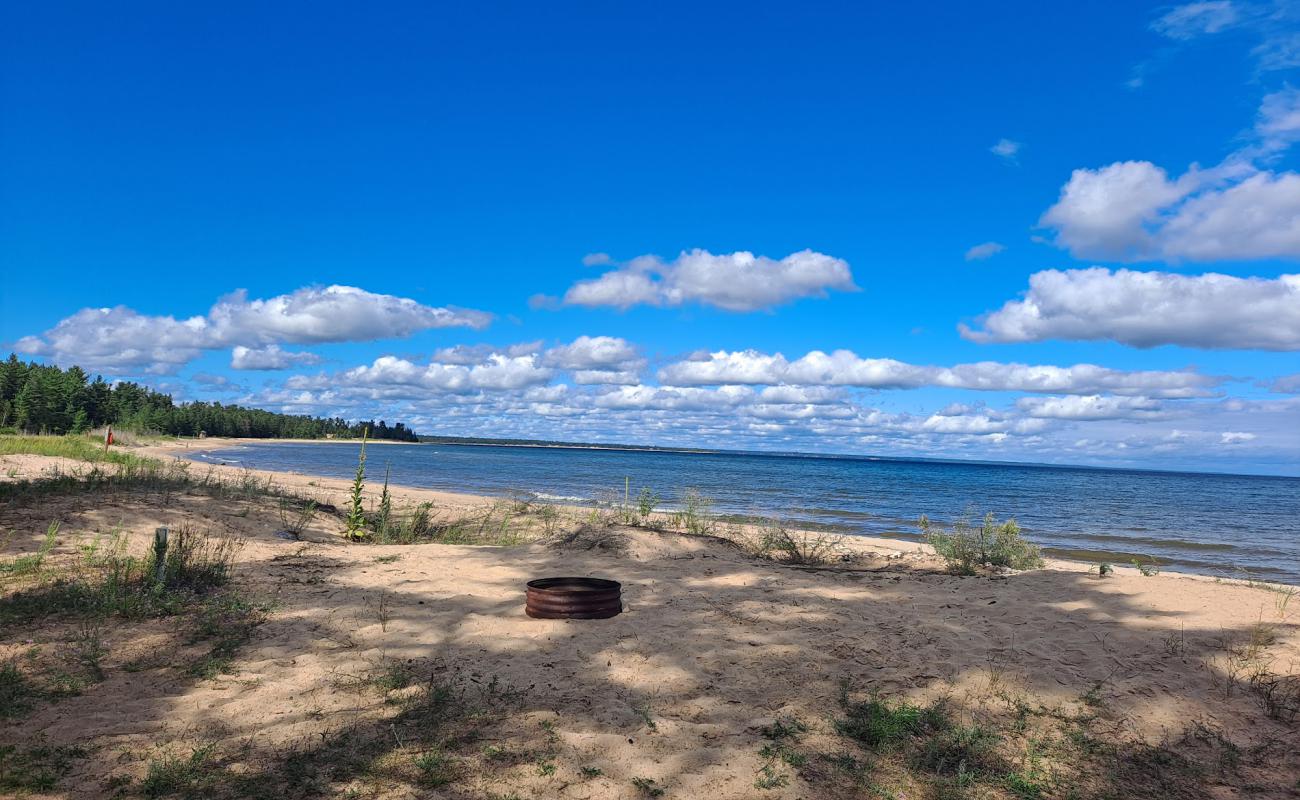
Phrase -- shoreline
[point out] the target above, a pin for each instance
(898, 547)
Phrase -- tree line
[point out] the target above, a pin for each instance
(38, 398)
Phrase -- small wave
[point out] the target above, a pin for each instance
(219, 459)
(559, 498)
(1171, 543)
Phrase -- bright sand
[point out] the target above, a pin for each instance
(713, 645)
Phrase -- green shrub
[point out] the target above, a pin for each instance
(966, 548)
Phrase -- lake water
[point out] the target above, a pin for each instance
(1229, 525)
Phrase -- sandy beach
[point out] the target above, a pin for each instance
(679, 694)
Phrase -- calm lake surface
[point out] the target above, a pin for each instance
(1229, 525)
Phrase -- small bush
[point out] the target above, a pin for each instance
(806, 548)
(966, 549)
(1149, 569)
(645, 504)
(694, 515)
(197, 561)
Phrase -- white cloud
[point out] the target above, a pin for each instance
(606, 376)
(1091, 407)
(269, 357)
(332, 314)
(498, 372)
(737, 281)
(1278, 125)
(1195, 19)
(987, 250)
(1236, 437)
(1147, 309)
(477, 354)
(1106, 212)
(1134, 211)
(594, 353)
(1256, 218)
(1006, 149)
(121, 339)
(845, 368)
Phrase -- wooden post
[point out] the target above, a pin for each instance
(160, 555)
(108, 438)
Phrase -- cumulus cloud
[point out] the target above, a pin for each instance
(478, 353)
(591, 360)
(121, 339)
(499, 372)
(269, 357)
(845, 368)
(594, 353)
(737, 281)
(1134, 210)
(1006, 149)
(1147, 309)
(981, 252)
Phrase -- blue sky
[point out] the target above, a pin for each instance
(1129, 167)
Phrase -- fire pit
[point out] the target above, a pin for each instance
(574, 598)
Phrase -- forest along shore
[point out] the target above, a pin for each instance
(278, 658)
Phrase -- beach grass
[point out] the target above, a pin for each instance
(73, 446)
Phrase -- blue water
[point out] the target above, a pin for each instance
(1229, 525)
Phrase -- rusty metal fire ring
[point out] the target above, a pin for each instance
(574, 598)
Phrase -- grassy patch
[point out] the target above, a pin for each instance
(228, 621)
(432, 739)
(782, 736)
(435, 767)
(182, 776)
(878, 724)
(35, 769)
(108, 582)
(31, 564)
(75, 447)
(17, 693)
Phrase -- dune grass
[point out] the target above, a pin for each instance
(73, 446)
